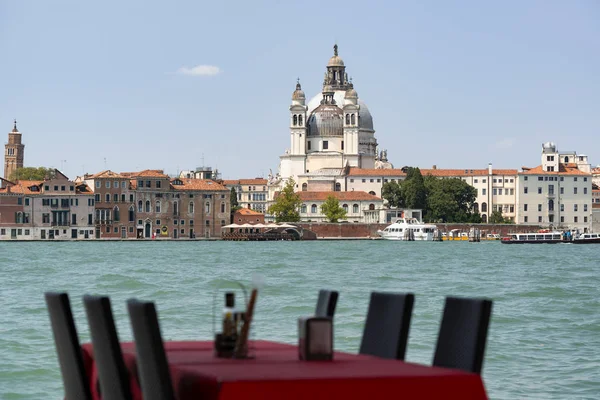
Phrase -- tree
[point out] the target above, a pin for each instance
(392, 193)
(233, 203)
(496, 217)
(286, 205)
(450, 200)
(414, 190)
(30, 174)
(332, 210)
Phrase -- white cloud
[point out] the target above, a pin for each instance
(505, 143)
(199, 70)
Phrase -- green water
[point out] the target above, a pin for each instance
(544, 340)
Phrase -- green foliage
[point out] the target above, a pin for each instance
(392, 193)
(413, 189)
(332, 210)
(287, 203)
(450, 200)
(30, 174)
(233, 202)
(497, 218)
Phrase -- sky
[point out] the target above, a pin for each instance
(133, 85)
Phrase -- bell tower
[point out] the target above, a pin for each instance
(13, 152)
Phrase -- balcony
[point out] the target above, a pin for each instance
(551, 195)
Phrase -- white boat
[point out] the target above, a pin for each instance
(409, 229)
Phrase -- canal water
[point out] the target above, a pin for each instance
(543, 343)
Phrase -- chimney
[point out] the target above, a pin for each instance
(490, 168)
(434, 167)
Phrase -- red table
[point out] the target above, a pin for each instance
(276, 373)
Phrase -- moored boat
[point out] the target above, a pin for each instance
(409, 229)
(587, 238)
(535, 238)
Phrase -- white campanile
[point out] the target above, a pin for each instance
(298, 121)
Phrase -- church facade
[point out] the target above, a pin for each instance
(329, 134)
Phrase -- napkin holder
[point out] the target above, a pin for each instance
(315, 339)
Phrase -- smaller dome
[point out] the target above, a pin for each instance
(351, 94)
(335, 61)
(298, 93)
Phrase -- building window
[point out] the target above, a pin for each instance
(539, 190)
(539, 207)
(107, 184)
(512, 208)
(574, 190)
(345, 207)
(116, 198)
(191, 207)
(308, 144)
(207, 222)
(355, 208)
(303, 209)
(495, 191)
(131, 198)
(140, 206)
(584, 191)
(585, 208)
(575, 219)
(325, 144)
(584, 220)
(483, 207)
(98, 184)
(131, 214)
(207, 208)
(158, 184)
(524, 207)
(562, 190)
(107, 197)
(575, 179)
(540, 218)
(575, 207)
(123, 185)
(562, 207)
(512, 191)
(157, 206)
(483, 192)
(338, 187)
(123, 198)
(525, 190)
(147, 206)
(313, 209)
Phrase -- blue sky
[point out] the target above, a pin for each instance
(452, 83)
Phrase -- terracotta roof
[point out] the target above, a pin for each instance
(375, 172)
(82, 188)
(105, 174)
(247, 211)
(231, 182)
(149, 173)
(341, 196)
(198, 184)
(23, 187)
(466, 172)
(433, 172)
(255, 181)
(596, 170)
(563, 169)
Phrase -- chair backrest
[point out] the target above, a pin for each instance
(155, 378)
(463, 334)
(112, 373)
(387, 325)
(326, 303)
(73, 372)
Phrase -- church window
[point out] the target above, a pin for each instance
(355, 208)
(347, 119)
(304, 187)
(147, 206)
(295, 120)
(308, 143)
(352, 119)
(338, 187)
(325, 144)
(313, 209)
(300, 120)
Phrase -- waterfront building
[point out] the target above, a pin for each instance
(557, 193)
(56, 208)
(248, 216)
(360, 206)
(595, 208)
(14, 152)
(251, 193)
(114, 205)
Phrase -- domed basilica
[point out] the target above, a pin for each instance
(329, 134)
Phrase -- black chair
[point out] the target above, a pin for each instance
(155, 378)
(463, 334)
(112, 373)
(387, 325)
(72, 368)
(326, 303)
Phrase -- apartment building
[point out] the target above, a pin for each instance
(251, 193)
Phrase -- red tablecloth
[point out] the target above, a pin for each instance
(276, 373)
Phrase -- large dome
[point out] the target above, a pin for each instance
(365, 120)
(326, 120)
